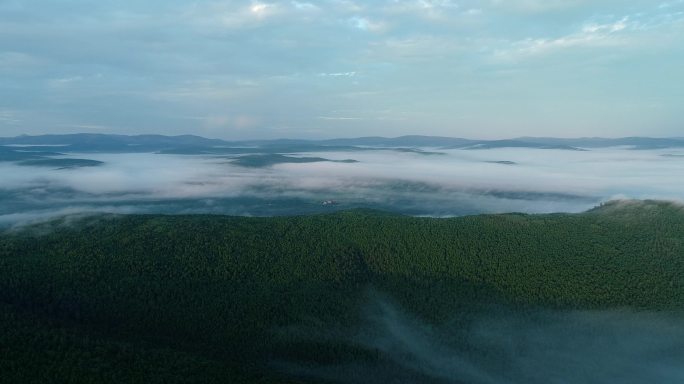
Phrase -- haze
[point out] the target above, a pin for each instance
(305, 178)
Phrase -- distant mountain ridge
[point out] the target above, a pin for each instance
(600, 142)
(191, 144)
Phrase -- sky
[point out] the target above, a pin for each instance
(339, 68)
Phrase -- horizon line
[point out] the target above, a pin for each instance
(349, 137)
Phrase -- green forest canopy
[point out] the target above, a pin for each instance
(198, 298)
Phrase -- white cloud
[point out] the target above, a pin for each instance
(366, 24)
(338, 74)
(590, 35)
(606, 28)
(230, 15)
(263, 10)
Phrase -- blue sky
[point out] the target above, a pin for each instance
(340, 68)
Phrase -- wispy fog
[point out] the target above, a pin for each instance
(447, 183)
(504, 345)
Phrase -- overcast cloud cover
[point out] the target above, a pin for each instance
(253, 69)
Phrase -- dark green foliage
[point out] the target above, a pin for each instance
(24, 154)
(215, 299)
(273, 159)
(33, 156)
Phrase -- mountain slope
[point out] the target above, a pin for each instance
(202, 298)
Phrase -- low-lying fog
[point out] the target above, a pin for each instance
(511, 346)
(437, 183)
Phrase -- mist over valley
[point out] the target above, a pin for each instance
(49, 176)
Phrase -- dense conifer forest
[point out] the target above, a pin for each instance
(179, 299)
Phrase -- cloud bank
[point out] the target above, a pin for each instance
(455, 182)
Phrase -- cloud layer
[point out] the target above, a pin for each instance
(455, 182)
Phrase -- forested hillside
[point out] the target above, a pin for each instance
(211, 298)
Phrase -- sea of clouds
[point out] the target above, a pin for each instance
(450, 183)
